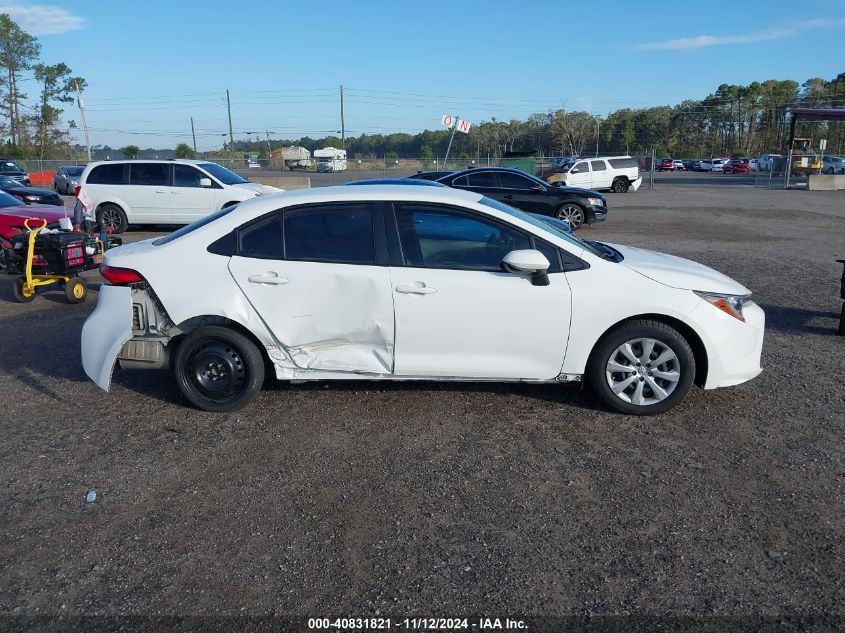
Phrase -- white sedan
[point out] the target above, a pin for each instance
(414, 282)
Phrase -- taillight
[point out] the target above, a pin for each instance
(76, 190)
(120, 276)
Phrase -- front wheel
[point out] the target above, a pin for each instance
(620, 185)
(218, 369)
(642, 367)
(572, 214)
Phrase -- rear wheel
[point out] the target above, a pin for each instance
(75, 291)
(642, 367)
(218, 369)
(112, 217)
(620, 185)
(572, 214)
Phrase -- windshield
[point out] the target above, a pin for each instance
(222, 174)
(74, 171)
(574, 241)
(193, 227)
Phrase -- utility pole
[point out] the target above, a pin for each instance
(598, 124)
(342, 122)
(231, 136)
(267, 132)
(84, 120)
(193, 134)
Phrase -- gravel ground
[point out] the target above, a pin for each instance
(428, 499)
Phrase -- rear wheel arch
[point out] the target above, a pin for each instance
(690, 335)
(189, 325)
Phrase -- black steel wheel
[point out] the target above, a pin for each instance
(218, 369)
(112, 217)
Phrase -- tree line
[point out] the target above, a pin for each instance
(733, 120)
(33, 131)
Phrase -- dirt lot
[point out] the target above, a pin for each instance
(448, 500)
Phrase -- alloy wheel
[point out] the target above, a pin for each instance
(111, 218)
(643, 371)
(572, 215)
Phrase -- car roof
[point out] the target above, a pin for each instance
(183, 161)
(475, 170)
(397, 181)
(410, 191)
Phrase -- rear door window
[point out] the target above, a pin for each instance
(341, 233)
(483, 179)
(110, 174)
(598, 165)
(515, 181)
(150, 174)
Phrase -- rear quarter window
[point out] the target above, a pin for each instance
(622, 163)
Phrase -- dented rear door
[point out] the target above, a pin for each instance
(312, 274)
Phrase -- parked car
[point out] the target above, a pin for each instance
(30, 195)
(702, 165)
(665, 164)
(718, 164)
(572, 205)
(613, 173)
(66, 179)
(737, 166)
(429, 175)
(679, 165)
(10, 169)
(123, 192)
(408, 283)
(833, 165)
(14, 212)
(689, 165)
(765, 161)
(753, 164)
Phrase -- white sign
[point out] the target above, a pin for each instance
(448, 120)
(823, 144)
(463, 126)
(805, 162)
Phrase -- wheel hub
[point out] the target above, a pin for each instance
(643, 371)
(217, 369)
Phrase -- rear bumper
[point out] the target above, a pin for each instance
(104, 333)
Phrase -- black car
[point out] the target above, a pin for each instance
(10, 169)
(430, 175)
(30, 195)
(523, 191)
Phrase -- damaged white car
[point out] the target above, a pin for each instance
(414, 283)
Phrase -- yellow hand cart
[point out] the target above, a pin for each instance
(60, 263)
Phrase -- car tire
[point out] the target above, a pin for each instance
(830, 171)
(112, 216)
(636, 388)
(75, 290)
(218, 369)
(56, 187)
(18, 291)
(571, 213)
(842, 321)
(620, 185)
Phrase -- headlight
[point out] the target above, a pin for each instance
(729, 304)
(31, 197)
(596, 202)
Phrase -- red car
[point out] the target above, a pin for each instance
(737, 166)
(13, 212)
(666, 164)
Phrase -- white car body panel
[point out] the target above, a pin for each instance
(457, 329)
(476, 326)
(104, 333)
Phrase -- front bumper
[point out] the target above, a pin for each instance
(733, 348)
(596, 214)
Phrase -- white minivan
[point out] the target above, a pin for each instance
(123, 192)
(614, 173)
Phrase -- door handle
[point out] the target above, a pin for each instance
(175, 193)
(160, 191)
(269, 278)
(508, 197)
(415, 288)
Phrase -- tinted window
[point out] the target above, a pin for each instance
(186, 176)
(154, 174)
(337, 233)
(222, 174)
(598, 165)
(439, 238)
(514, 181)
(108, 175)
(460, 182)
(551, 253)
(483, 179)
(580, 168)
(262, 239)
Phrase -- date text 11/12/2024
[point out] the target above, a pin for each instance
(422, 624)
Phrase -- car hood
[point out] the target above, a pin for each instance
(258, 188)
(678, 272)
(31, 191)
(577, 191)
(49, 213)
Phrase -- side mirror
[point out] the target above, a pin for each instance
(528, 261)
(205, 182)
